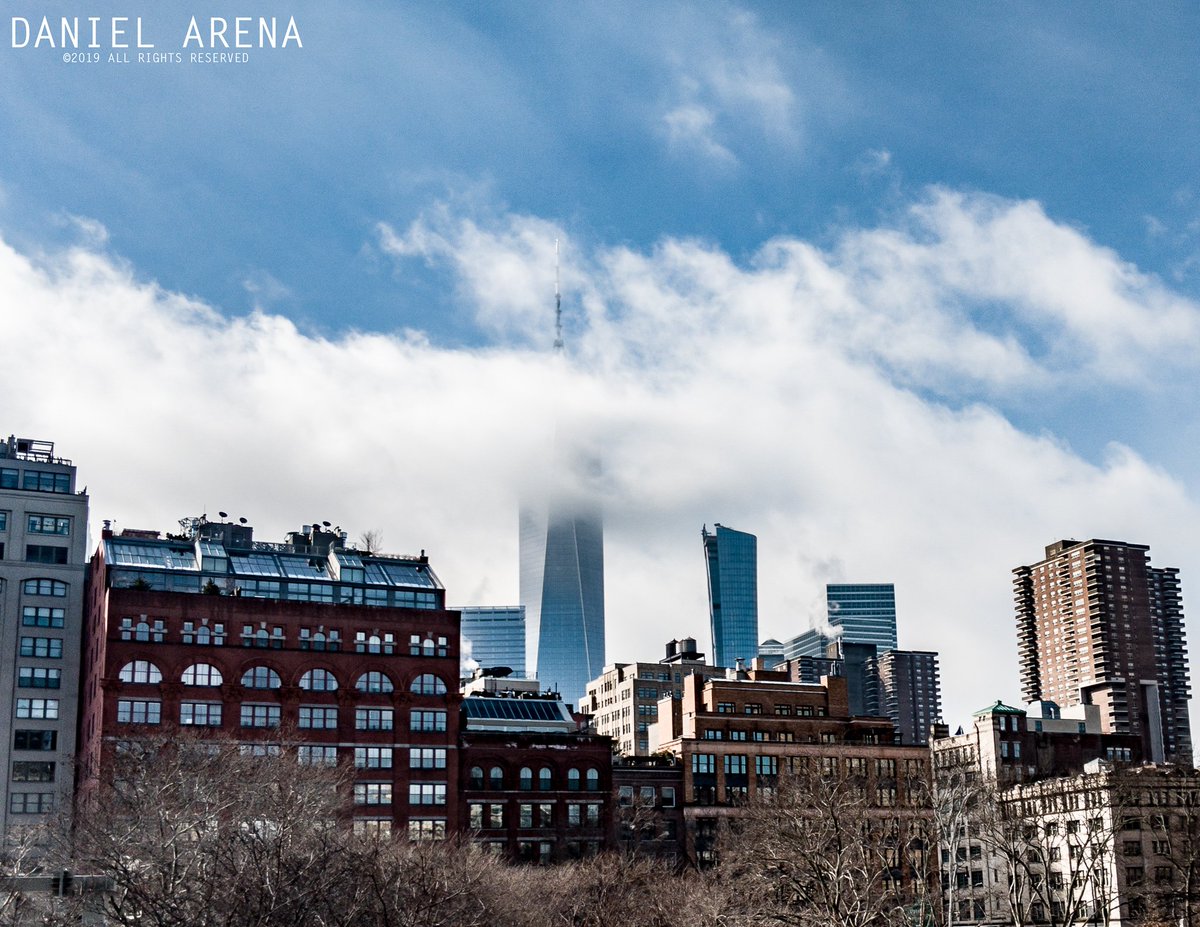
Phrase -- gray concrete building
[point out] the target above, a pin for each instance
(43, 547)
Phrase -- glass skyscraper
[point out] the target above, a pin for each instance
(496, 634)
(562, 589)
(732, 561)
(865, 613)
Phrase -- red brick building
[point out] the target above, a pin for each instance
(350, 658)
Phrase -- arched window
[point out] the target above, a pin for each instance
(204, 635)
(140, 671)
(428, 684)
(261, 677)
(593, 780)
(44, 587)
(374, 682)
(496, 779)
(202, 674)
(545, 779)
(573, 779)
(141, 631)
(319, 680)
(476, 777)
(526, 778)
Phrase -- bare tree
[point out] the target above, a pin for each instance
(196, 833)
(819, 850)
(1054, 842)
(371, 542)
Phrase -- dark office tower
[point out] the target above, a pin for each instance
(43, 546)
(562, 589)
(910, 692)
(732, 561)
(1096, 624)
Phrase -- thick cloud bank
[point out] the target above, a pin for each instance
(812, 395)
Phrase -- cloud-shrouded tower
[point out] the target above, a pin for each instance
(562, 565)
(562, 589)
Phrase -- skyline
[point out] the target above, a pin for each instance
(906, 293)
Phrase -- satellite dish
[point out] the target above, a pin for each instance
(242, 520)
(223, 514)
(325, 523)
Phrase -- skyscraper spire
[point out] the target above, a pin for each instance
(558, 338)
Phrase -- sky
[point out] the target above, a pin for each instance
(909, 291)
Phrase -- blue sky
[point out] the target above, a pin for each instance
(865, 184)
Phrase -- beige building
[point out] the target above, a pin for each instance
(43, 547)
(623, 701)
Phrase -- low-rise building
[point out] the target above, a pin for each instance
(735, 737)
(534, 788)
(352, 657)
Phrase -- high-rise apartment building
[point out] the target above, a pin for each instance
(1096, 624)
(732, 561)
(494, 635)
(562, 589)
(863, 613)
(43, 550)
(910, 692)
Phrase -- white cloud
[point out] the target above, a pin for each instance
(728, 90)
(772, 397)
(690, 128)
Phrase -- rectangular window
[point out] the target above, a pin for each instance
(45, 553)
(427, 793)
(33, 616)
(316, 717)
(372, 757)
(138, 711)
(3, 521)
(45, 481)
(425, 720)
(426, 829)
(766, 765)
(668, 796)
(31, 802)
(426, 758)
(8, 478)
(725, 708)
(39, 677)
(372, 793)
(753, 708)
(735, 764)
(311, 755)
(49, 524)
(373, 719)
(704, 763)
(35, 740)
(259, 716)
(32, 771)
(46, 648)
(45, 709)
(200, 714)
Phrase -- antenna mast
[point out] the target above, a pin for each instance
(558, 338)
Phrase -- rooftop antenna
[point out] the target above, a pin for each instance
(558, 338)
